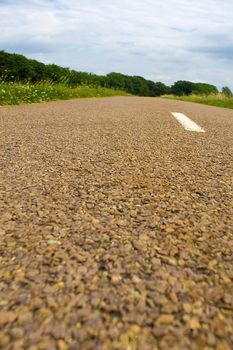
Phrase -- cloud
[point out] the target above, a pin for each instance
(176, 39)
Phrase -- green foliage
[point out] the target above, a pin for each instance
(17, 93)
(136, 85)
(204, 89)
(181, 88)
(218, 100)
(161, 89)
(185, 88)
(17, 68)
(115, 80)
(227, 91)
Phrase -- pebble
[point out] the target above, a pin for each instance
(115, 230)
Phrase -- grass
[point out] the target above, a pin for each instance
(218, 100)
(19, 93)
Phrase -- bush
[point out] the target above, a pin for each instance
(185, 88)
(227, 91)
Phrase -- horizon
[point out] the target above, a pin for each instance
(160, 42)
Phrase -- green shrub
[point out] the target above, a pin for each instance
(226, 91)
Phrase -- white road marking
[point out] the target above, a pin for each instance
(187, 123)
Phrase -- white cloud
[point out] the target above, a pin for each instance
(161, 40)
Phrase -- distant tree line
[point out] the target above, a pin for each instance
(182, 88)
(15, 67)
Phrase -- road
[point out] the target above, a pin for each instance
(116, 226)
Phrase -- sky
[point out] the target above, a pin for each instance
(162, 40)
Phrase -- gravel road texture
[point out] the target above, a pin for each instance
(116, 226)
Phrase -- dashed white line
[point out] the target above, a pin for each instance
(187, 123)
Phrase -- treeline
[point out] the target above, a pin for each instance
(14, 67)
(18, 68)
(185, 88)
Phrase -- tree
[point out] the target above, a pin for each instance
(161, 89)
(185, 88)
(204, 89)
(182, 87)
(227, 91)
(116, 81)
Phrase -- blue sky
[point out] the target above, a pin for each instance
(163, 40)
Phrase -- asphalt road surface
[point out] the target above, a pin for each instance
(116, 226)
